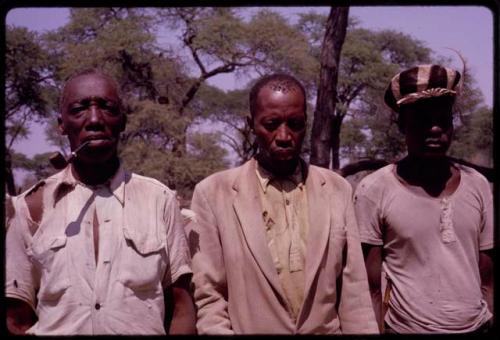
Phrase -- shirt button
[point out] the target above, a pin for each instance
(287, 201)
(97, 306)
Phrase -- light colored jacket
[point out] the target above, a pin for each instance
(237, 289)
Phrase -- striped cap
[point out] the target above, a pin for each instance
(423, 81)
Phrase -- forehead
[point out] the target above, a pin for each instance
(277, 98)
(443, 103)
(90, 85)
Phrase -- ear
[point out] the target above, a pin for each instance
(250, 122)
(61, 126)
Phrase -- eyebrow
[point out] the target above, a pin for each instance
(95, 98)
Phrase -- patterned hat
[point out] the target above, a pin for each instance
(423, 81)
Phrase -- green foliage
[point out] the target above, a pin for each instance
(26, 73)
(179, 127)
(282, 47)
(369, 60)
(474, 141)
(203, 158)
(39, 165)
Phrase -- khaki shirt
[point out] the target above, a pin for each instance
(284, 209)
(142, 250)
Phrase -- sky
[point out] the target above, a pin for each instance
(468, 29)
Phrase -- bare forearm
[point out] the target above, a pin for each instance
(488, 296)
(486, 271)
(373, 262)
(377, 304)
(184, 317)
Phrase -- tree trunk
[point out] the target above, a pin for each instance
(9, 176)
(335, 140)
(323, 132)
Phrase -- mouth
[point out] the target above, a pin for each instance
(97, 140)
(434, 144)
(284, 153)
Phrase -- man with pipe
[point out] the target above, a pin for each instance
(95, 249)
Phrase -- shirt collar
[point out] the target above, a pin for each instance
(265, 177)
(115, 184)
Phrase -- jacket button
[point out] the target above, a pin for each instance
(97, 306)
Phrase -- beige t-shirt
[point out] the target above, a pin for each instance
(142, 250)
(431, 250)
(284, 210)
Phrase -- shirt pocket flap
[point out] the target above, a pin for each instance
(42, 245)
(143, 243)
(57, 242)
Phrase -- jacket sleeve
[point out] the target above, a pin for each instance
(209, 277)
(355, 307)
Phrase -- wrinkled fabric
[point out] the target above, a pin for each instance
(431, 248)
(284, 210)
(237, 288)
(142, 250)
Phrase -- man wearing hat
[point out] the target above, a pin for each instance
(425, 222)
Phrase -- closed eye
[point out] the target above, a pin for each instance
(271, 125)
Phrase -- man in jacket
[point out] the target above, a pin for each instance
(274, 242)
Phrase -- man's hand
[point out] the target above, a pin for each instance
(20, 316)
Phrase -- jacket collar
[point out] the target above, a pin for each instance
(247, 207)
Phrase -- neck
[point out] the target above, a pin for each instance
(424, 170)
(279, 169)
(94, 174)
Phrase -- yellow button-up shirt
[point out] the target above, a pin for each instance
(284, 209)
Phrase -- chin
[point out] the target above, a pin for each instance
(433, 155)
(98, 157)
(287, 159)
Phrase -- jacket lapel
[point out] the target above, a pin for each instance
(249, 212)
(318, 202)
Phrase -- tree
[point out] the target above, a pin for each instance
(27, 71)
(326, 126)
(179, 126)
(164, 97)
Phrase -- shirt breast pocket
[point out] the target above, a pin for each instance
(49, 254)
(142, 261)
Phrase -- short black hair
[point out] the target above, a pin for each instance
(85, 72)
(278, 82)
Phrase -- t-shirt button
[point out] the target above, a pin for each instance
(97, 306)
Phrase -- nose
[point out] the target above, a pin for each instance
(283, 136)
(95, 115)
(436, 129)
